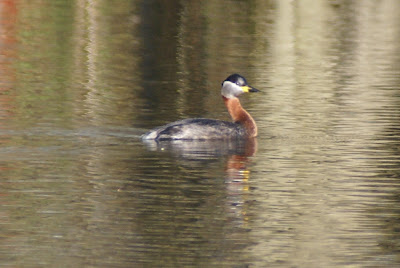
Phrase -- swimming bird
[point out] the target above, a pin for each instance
(243, 125)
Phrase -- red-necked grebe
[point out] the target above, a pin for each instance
(243, 125)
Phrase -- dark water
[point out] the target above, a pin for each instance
(80, 81)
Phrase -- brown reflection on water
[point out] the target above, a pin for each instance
(187, 210)
(8, 41)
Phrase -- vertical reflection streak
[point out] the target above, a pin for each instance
(91, 7)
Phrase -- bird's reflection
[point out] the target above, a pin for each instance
(237, 149)
(205, 156)
(235, 154)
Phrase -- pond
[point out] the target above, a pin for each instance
(81, 81)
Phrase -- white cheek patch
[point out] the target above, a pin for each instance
(230, 90)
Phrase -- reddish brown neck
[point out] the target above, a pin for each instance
(240, 115)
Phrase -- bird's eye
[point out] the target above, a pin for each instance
(240, 82)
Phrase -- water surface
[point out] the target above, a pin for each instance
(81, 81)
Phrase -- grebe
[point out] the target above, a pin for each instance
(243, 126)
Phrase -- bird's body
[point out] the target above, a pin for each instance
(197, 129)
(243, 126)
